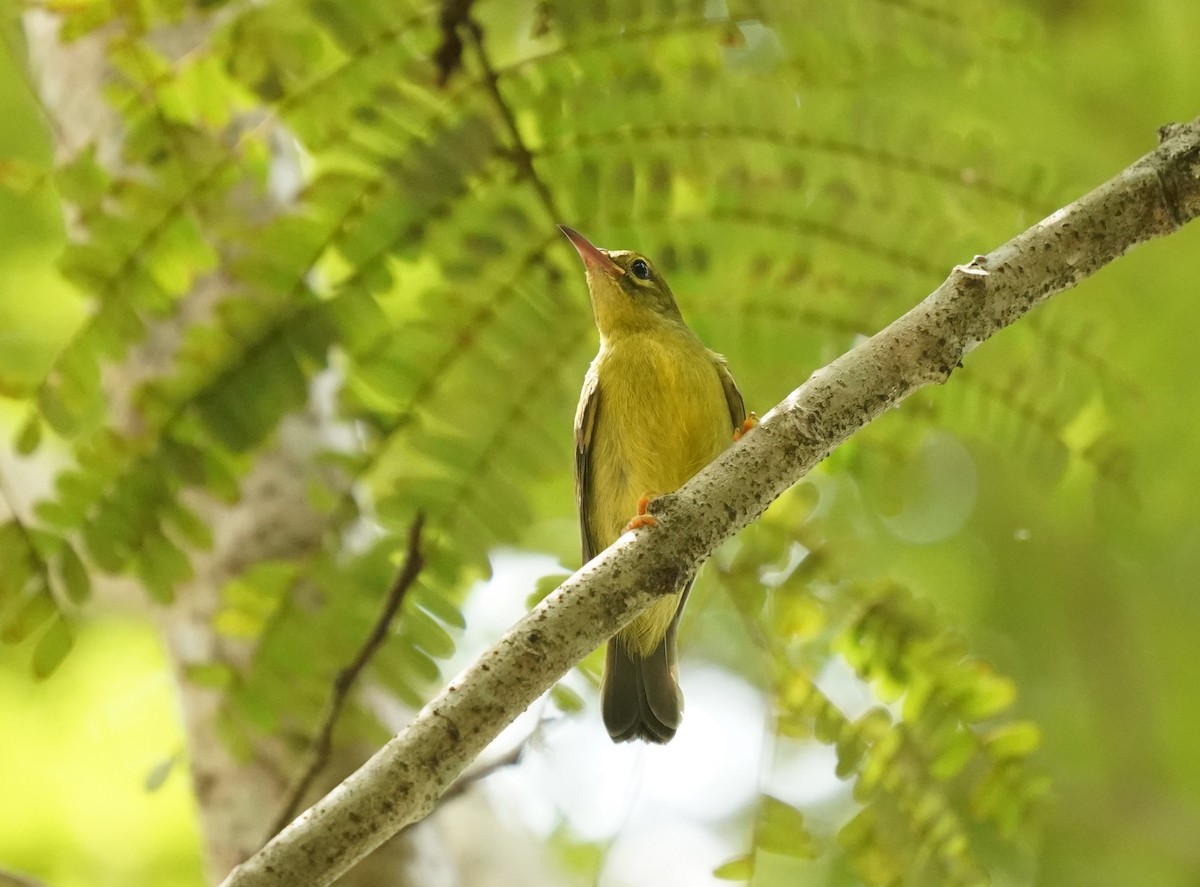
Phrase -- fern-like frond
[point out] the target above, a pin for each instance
(757, 150)
(936, 759)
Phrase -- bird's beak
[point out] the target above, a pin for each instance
(594, 258)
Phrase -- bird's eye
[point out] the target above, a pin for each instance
(640, 268)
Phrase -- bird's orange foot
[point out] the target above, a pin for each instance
(642, 519)
(751, 421)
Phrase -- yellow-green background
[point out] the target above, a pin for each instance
(77, 751)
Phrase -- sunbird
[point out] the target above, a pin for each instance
(656, 407)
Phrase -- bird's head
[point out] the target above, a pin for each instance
(627, 293)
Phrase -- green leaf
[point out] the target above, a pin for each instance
(30, 435)
(954, 756)
(740, 868)
(990, 694)
(52, 648)
(439, 606)
(82, 181)
(180, 255)
(221, 476)
(828, 724)
(1015, 740)
(107, 549)
(21, 176)
(780, 829)
(414, 667)
(420, 629)
(54, 407)
(185, 460)
(851, 749)
(544, 586)
(191, 528)
(214, 675)
(250, 600)
(159, 773)
(162, 567)
(243, 411)
(567, 700)
(74, 575)
(33, 612)
(16, 560)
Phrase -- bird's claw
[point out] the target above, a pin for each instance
(751, 421)
(642, 519)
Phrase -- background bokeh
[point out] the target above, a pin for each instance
(1043, 504)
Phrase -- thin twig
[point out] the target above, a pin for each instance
(414, 562)
(478, 774)
(510, 758)
(521, 155)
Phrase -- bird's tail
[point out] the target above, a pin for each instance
(640, 696)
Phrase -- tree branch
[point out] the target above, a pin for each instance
(414, 562)
(405, 779)
(469, 778)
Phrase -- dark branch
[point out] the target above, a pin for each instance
(447, 58)
(478, 774)
(521, 155)
(414, 562)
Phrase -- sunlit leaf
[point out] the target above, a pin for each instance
(781, 829)
(566, 699)
(1013, 740)
(740, 868)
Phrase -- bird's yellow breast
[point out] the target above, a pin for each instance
(663, 416)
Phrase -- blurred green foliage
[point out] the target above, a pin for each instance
(95, 786)
(1009, 562)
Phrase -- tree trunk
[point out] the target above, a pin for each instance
(273, 518)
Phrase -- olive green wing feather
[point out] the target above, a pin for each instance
(585, 425)
(733, 397)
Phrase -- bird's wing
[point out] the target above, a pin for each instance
(585, 424)
(733, 397)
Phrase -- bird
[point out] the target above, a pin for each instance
(657, 406)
